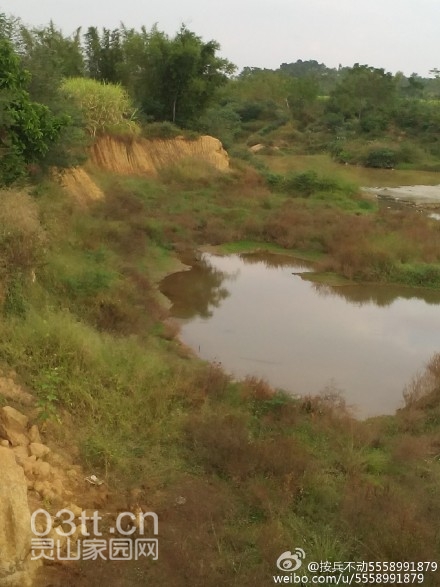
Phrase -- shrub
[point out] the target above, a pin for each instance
(105, 107)
(417, 274)
(167, 130)
(161, 130)
(221, 122)
(383, 158)
(306, 183)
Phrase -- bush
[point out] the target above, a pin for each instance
(417, 274)
(275, 125)
(105, 107)
(381, 154)
(167, 130)
(250, 111)
(306, 183)
(161, 130)
(221, 122)
(381, 158)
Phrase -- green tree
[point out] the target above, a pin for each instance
(103, 54)
(27, 128)
(325, 77)
(302, 99)
(261, 85)
(222, 122)
(92, 44)
(365, 95)
(259, 94)
(181, 76)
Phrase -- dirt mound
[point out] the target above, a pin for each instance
(81, 186)
(142, 156)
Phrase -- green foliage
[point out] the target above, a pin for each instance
(251, 110)
(417, 274)
(274, 125)
(82, 275)
(161, 130)
(383, 154)
(48, 385)
(183, 75)
(49, 57)
(324, 76)
(27, 128)
(103, 54)
(365, 94)
(105, 107)
(382, 158)
(306, 183)
(15, 302)
(222, 122)
(303, 99)
(260, 86)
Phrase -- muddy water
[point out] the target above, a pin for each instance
(256, 315)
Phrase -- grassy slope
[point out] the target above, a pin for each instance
(260, 473)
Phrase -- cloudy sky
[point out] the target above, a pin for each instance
(399, 35)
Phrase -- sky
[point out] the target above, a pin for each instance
(398, 35)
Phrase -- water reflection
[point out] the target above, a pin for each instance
(198, 291)
(275, 261)
(379, 295)
(256, 315)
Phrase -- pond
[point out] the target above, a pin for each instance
(257, 315)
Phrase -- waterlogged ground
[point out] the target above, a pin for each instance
(256, 315)
(416, 194)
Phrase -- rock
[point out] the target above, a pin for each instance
(16, 568)
(21, 454)
(28, 466)
(39, 450)
(76, 510)
(57, 486)
(72, 474)
(256, 148)
(41, 470)
(57, 460)
(12, 391)
(44, 488)
(13, 426)
(34, 434)
(4, 443)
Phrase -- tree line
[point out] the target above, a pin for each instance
(51, 82)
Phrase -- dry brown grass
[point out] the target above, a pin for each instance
(21, 234)
(387, 526)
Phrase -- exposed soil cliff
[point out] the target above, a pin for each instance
(142, 156)
(81, 186)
